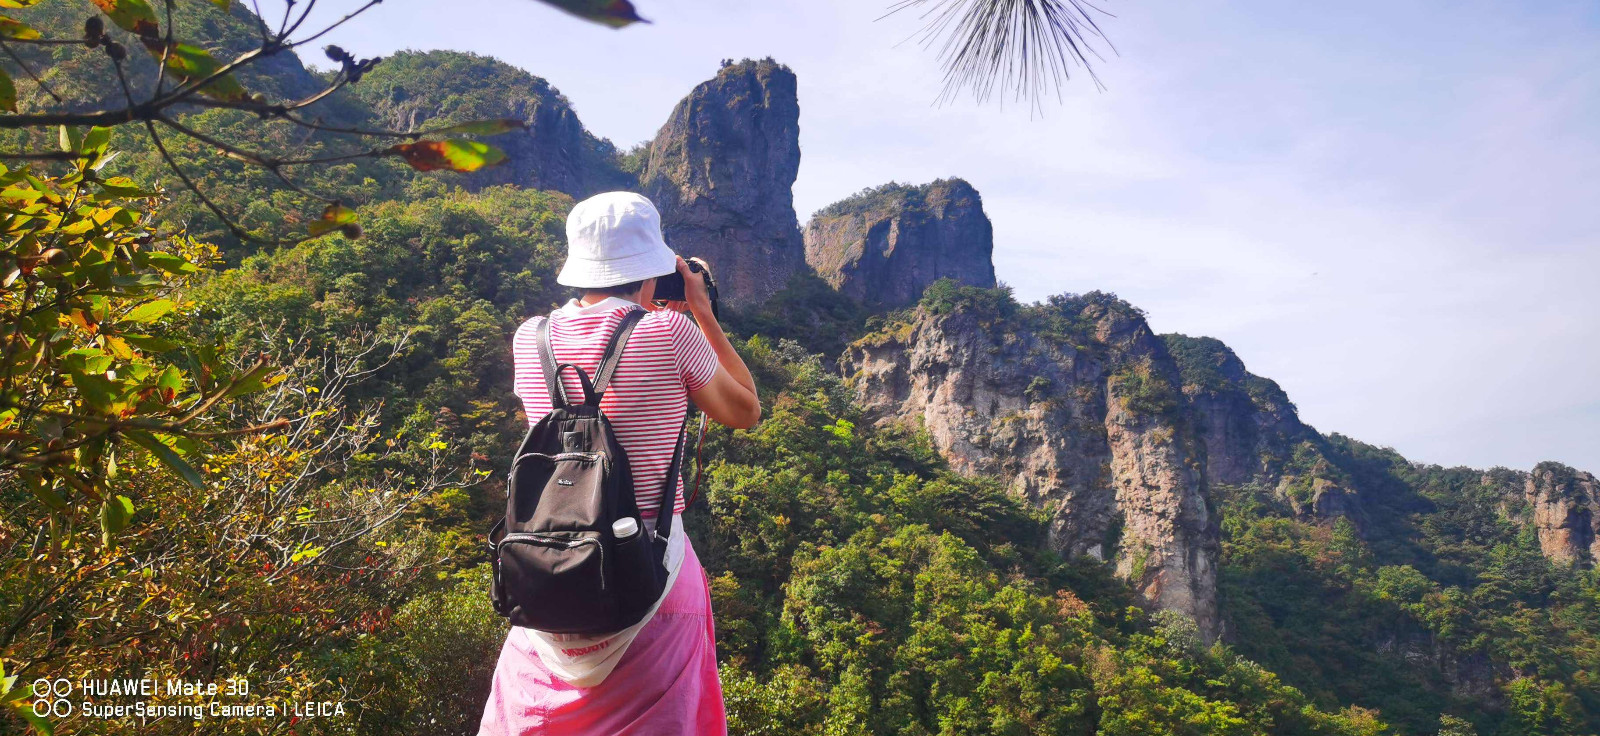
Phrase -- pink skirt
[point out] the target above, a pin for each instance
(665, 684)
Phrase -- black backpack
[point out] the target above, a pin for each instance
(558, 565)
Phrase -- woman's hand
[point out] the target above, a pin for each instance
(694, 290)
(697, 300)
(730, 397)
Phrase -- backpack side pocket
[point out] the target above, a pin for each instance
(639, 575)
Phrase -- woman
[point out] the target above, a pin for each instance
(659, 677)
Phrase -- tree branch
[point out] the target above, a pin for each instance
(42, 156)
(336, 24)
(238, 232)
(28, 71)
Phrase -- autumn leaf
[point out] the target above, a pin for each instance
(8, 92)
(133, 16)
(168, 457)
(192, 64)
(482, 127)
(41, 489)
(18, 3)
(40, 724)
(12, 28)
(336, 217)
(122, 186)
(150, 311)
(614, 13)
(71, 138)
(255, 380)
(451, 155)
(170, 263)
(169, 383)
(96, 140)
(149, 344)
(118, 347)
(115, 513)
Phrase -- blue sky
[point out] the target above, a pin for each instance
(1391, 208)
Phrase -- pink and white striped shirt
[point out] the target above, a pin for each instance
(666, 357)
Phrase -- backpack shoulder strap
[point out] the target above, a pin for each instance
(547, 366)
(552, 373)
(613, 354)
(669, 491)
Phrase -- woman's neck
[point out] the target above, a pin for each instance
(591, 298)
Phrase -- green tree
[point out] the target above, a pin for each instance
(95, 363)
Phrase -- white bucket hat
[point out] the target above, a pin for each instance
(613, 239)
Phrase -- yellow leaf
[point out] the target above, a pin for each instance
(8, 92)
(133, 16)
(336, 217)
(192, 64)
(449, 155)
(12, 28)
(118, 347)
(613, 13)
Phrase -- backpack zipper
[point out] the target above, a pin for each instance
(562, 542)
(604, 461)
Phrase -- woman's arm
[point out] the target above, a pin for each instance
(730, 397)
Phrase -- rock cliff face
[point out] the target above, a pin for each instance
(1565, 512)
(885, 245)
(721, 171)
(1253, 436)
(1079, 412)
(411, 89)
(1247, 423)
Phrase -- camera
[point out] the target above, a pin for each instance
(670, 288)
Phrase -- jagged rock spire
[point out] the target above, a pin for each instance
(722, 172)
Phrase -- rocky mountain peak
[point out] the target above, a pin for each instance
(722, 171)
(886, 244)
(426, 88)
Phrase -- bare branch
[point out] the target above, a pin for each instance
(261, 25)
(98, 118)
(42, 156)
(192, 91)
(166, 52)
(295, 26)
(23, 65)
(319, 34)
(246, 156)
(273, 165)
(48, 41)
(238, 232)
(363, 132)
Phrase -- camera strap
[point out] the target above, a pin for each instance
(699, 463)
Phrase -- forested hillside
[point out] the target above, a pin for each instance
(960, 514)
